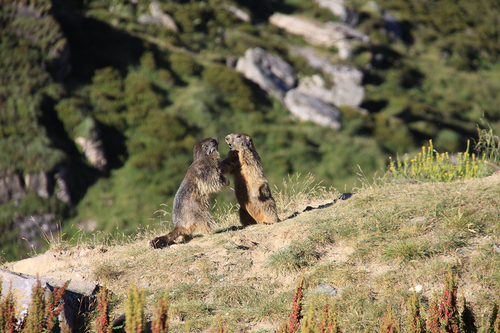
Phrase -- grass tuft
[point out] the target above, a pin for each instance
(293, 257)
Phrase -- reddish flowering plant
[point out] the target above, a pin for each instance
(449, 319)
(296, 314)
(102, 322)
(160, 323)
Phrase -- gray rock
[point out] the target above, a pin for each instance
(345, 81)
(270, 72)
(77, 298)
(93, 149)
(420, 220)
(33, 228)
(325, 288)
(337, 7)
(322, 34)
(240, 14)
(11, 187)
(63, 181)
(40, 184)
(309, 108)
(146, 19)
(166, 20)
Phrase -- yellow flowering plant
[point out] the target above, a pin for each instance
(430, 165)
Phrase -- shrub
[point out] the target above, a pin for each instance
(183, 64)
(231, 84)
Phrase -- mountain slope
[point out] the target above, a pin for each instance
(371, 249)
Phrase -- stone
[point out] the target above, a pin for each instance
(337, 7)
(40, 184)
(94, 152)
(11, 187)
(166, 20)
(63, 180)
(418, 288)
(240, 14)
(321, 34)
(344, 86)
(76, 299)
(309, 108)
(270, 72)
(325, 288)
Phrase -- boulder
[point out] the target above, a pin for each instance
(344, 91)
(270, 72)
(40, 184)
(344, 87)
(77, 298)
(309, 108)
(337, 7)
(166, 20)
(94, 152)
(63, 181)
(322, 34)
(240, 14)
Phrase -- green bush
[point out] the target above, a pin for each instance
(231, 84)
(183, 65)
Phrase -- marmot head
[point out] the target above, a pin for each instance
(206, 147)
(238, 141)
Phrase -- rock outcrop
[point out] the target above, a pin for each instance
(40, 184)
(63, 184)
(345, 81)
(270, 72)
(309, 108)
(240, 14)
(11, 187)
(322, 34)
(77, 298)
(158, 17)
(93, 149)
(33, 229)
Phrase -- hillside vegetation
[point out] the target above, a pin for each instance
(86, 73)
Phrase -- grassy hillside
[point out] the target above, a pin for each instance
(369, 249)
(152, 93)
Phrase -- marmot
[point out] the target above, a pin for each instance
(191, 212)
(250, 183)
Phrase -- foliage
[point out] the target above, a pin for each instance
(415, 321)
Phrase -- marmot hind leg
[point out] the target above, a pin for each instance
(168, 239)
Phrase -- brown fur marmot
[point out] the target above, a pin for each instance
(250, 183)
(191, 212)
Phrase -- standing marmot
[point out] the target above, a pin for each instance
(192, 200)
(250, 183)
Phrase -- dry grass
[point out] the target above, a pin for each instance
(372, 248)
